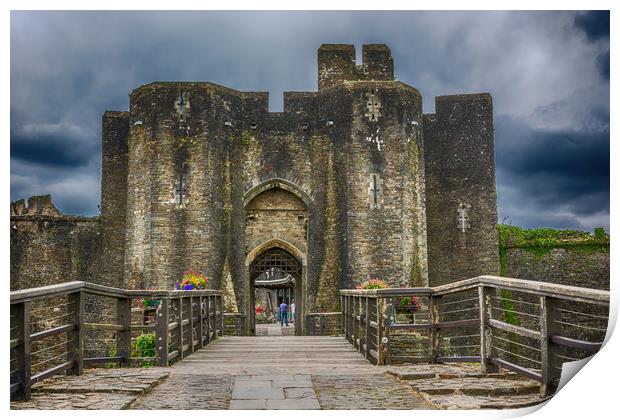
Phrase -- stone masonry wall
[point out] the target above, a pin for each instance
(48, 247)
(115, 131)
(460, 182)
(273, 214)
(572, 267)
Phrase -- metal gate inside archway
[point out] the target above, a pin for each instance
(275, 277)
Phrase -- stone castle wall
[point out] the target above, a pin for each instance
(48, 247)
(354, 149)
(460, 182)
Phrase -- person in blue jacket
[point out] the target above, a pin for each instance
(283, 313)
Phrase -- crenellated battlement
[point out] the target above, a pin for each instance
(336, 64)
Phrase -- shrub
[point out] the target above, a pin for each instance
(144, 346)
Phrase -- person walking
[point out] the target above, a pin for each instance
(293, 311)
(283, 315)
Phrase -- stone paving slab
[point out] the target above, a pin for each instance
(475, 386)
(463, 386)
(273, 392)
(366, 392)
(188, 392)
(248, 405)
(97, 389)
(131, 381)
(76, 401)
(293, 404)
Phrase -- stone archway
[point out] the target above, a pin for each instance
(286, 259)
(276, 237)
(279, 270)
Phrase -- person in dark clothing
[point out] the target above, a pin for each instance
(283, 313)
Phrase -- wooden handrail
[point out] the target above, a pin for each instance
(199, 319)
(359, 324)
(560, 291)
(22, 295)
(19, 296)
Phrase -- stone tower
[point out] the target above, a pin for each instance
(348, 183)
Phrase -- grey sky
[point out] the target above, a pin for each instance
(548, 73)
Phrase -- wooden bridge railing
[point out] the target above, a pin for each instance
(524, 326)
(323, 323)
(234, 323)
(62, 328)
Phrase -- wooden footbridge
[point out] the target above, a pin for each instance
(513, 329)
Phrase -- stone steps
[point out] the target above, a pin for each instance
(461, 386)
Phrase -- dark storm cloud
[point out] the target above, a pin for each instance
(602, 62)
(54, 145)
(594, 23)
(545, 70)
(555, 168)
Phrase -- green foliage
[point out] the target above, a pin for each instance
(541, 241)
(599, 233)
(144, 346)
(111, 365)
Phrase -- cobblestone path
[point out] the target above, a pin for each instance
(289, 372)
(188, 392)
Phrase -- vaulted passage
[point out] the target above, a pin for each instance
(275, 274)
(276, 220)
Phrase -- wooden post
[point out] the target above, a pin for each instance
(180, 327)
(208, 314)
(200, 322)
(191, 324)
(342, 318)
(350, 319)
(367, 329)
(123, 337)
(220, 317)
(548, 327)
(75, 342)
(161, 331)
(354, 313)
(321, 324)
(221, 309)
(484, 297)
(385, 339)
(21, 315)
(434, 317)
(379, 343)
(345, 316)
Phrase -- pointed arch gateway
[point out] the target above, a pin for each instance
(276, 231)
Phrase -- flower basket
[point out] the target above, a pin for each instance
(408, 305)
(192, 280)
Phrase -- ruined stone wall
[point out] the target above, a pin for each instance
(460, 182)
(48, 247)
(567, 257)
(571, 266)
